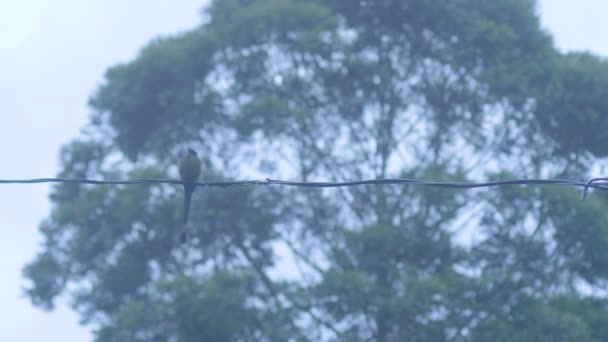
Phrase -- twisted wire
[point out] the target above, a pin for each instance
(600, 183)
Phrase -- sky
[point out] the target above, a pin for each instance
(53, 55)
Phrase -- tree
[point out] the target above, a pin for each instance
(337, 90)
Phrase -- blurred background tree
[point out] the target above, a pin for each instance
(339, 90)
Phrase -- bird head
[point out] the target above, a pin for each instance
(191, 151)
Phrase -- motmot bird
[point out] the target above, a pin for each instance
(189, 172)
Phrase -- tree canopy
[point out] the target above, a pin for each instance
(339, 90)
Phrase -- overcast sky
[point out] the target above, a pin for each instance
(53, 55)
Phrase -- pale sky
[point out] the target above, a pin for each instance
(53, 55)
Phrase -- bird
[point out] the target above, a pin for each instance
(189, 172)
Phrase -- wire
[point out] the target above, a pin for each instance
(124, 182)
(588, 184)
(595, 183)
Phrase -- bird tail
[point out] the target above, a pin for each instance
(188, 189)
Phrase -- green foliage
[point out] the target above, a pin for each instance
(163, 84)
(573, 106)
(212, 309)
(562, 319)
(338, 90)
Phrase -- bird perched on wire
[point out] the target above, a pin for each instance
(189, 172)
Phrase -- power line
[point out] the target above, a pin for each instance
(595, 183)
